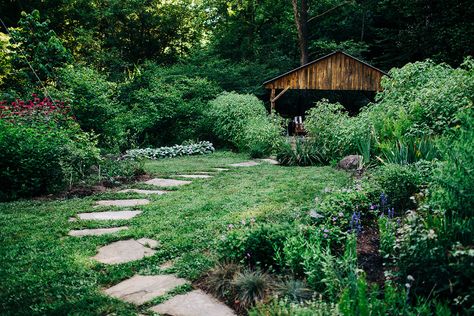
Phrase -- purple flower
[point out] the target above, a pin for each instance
(326, 230)
(325, 235)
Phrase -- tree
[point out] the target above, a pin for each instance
(300, 11)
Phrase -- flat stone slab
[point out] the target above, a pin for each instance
(123, 251)
(220, 169)
(195, 176)
(140, 288)
(158, 192)
(167, 182)
(125, 203)
(245, 164)
(112, 215)
(270, 161)
(96, 232)
(194, 303)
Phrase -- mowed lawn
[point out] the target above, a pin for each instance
(45, 271)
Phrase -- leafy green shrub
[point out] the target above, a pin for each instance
(288, 308)
(200, 148)
(41, 149)
(114, 171)
(162, 108)
(254, 246)
(240, 120)
(388, 235)
(331, 130)
(454, 177)
(93, 104)
(399, 183)
(422, 98)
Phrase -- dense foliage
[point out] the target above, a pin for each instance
(200, 148)
(42, 148)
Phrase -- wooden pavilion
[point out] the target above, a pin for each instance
(335, 71)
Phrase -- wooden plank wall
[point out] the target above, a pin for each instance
(336, 72)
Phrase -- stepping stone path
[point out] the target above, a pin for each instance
(167, 182)
(158, 192)
(140, 288)
(195, 176)
(96, 232)
(112, 215)
(123, 251)
(125, 203)
(245, 164)
(194, 303)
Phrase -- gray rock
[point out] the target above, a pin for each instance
(158, 192)
(315, 214)
(140, 289)
(95, 232)
(245, 164)
(194, 303)
(167, 182)
(195, 176)
(351, 162)
(123, 251)
(124, 203)
(112, 215)
(220, 169)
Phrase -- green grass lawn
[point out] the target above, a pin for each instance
(44, 271)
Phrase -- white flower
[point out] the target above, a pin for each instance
(431, 234)
(410, 278)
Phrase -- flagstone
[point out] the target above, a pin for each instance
(194, 303)
(270, 161)
(142, 288)
(167, 182)
(220, 169)
(158, 192)
(95, 232)
(111, 215)
(132, 202)
(195, 176)
(245, 164)
(123, 251)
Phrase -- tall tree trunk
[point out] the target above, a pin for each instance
(301, 19)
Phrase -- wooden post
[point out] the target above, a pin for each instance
(272, 101)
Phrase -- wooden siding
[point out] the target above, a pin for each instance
(337, 71)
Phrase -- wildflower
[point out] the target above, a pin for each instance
(334, 219)
(243, 222)
(431, 234)
(408, 285)
(252, 220)
(230, 226)
(325, 235)
(326, 230)
(410, 278)
(340, 214)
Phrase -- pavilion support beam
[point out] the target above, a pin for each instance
(272, 101)
(273, 98)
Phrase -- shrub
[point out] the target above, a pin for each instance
(200, 148)
(287, 308)
(331, 130)
(41, 149)
(254, 246)
(240, 120)
(93, 104)
(399, 183)
(162, 108)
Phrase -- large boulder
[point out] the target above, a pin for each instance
(351, 162)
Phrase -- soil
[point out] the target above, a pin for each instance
(368, 255)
